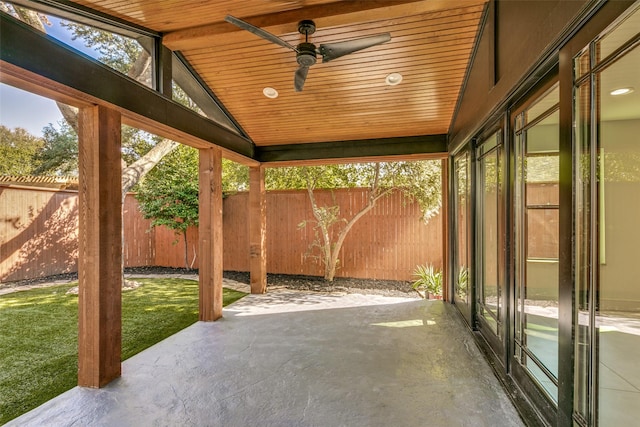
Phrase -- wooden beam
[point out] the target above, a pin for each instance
(257, 230)
(353, 151)
(210, 234)
(100, 247)
(324, 15)
(350, 160)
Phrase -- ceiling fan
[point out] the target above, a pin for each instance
(306, 53)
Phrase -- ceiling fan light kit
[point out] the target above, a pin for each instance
(393, 79)
(270, 92)
(306, 52)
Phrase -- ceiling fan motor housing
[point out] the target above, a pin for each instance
(306, 55)
(306, 27)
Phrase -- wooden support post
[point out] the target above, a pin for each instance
(257, 230)
(444, 216)
(100, 246)
(210, 234)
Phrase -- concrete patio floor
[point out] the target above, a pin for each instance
(290, 358)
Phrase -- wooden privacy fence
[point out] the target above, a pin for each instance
(387, 243)
(38, 229)
(38, 232)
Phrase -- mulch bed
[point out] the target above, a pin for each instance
(287, 281)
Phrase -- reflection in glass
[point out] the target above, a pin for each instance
(623, 31)
(583, 339)
(181, 97)
(128, 54)
(607, 183)
(461, 207)
(537, 216)
(489, 202)
(617, 323)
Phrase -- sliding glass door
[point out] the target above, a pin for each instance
(536, 216)
(607, 227)
(462, 293)
(490, 241)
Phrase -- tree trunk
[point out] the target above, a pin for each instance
(324, 229)
(70, 115)
(135, 171)
(186, 249)
(331, 252)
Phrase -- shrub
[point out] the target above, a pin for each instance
(428, 279)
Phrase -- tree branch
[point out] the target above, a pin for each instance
(136, 170)
(324, 227)
(343, 233)
(139, 68)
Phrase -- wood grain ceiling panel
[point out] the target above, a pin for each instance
(346, 99)
(171, 15)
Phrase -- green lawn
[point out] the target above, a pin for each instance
(39, 335)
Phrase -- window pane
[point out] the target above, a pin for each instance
(541, 378)
(624, 32)
(490, 233)
(462, 226)
(121, 53)
(581, 65)
(537, 216)
(489, 238)
(545, 104)
(582, 178)
(545, 192)
(542, 225)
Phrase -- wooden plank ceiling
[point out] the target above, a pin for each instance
(345, 99)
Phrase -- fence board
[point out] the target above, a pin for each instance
(38, 229)
(38, 233)
(139, 242)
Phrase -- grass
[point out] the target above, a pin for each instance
(39, 335)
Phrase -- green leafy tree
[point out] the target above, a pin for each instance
(418, 181)
(136, 144)
(124, 55)
(121, 53)
(168, 195)
(18, 149)
(235, 177)
(327, 177)
(59, 154)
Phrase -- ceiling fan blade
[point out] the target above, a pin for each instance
(331, 51)
(258, 32)
(300, 77)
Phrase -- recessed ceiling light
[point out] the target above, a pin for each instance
(393, 79)
(270, 92)
(622, 91)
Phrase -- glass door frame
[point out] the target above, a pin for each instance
(497, 342)
(569, 414)
(466, 308)
(547, 408)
